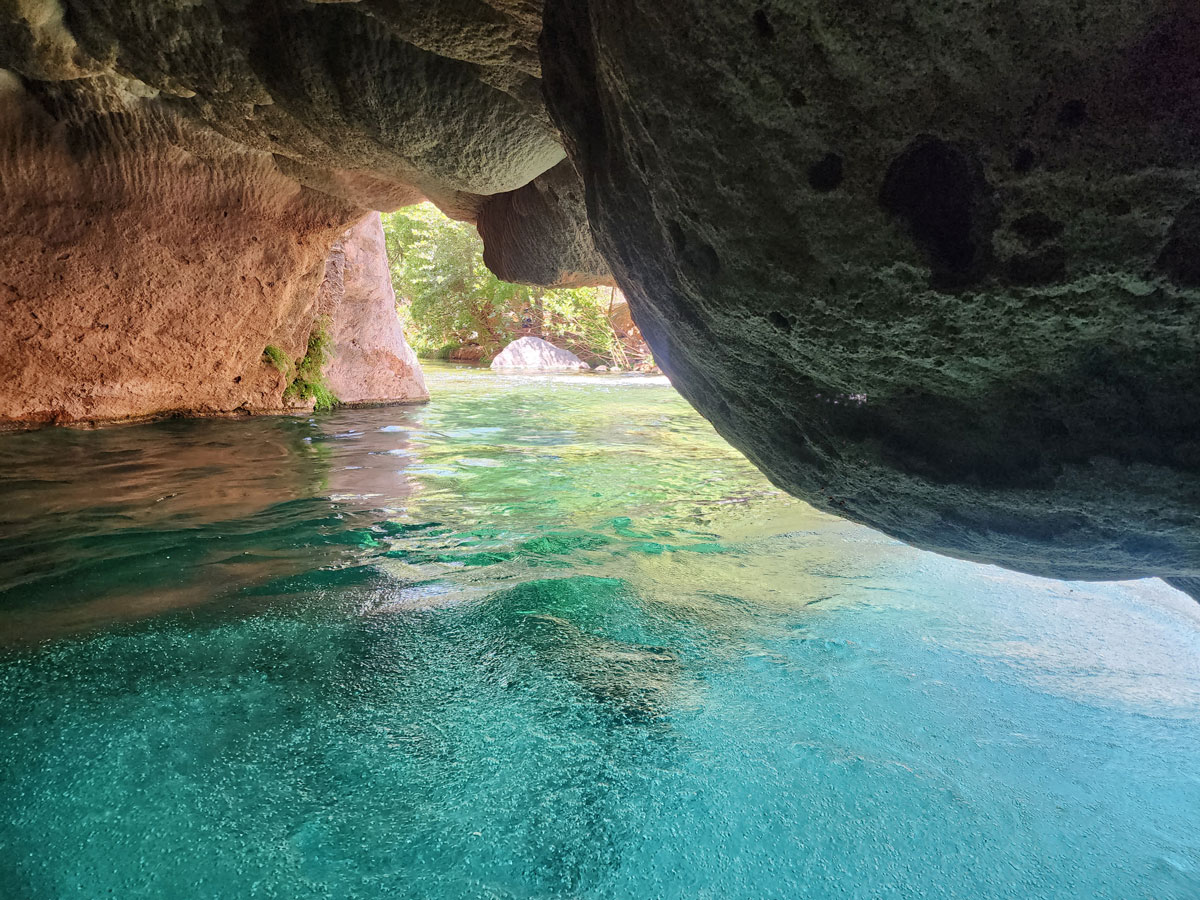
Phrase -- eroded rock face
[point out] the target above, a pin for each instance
(930, 268)
(539, 233)
(173, 176)
(372, 362)
(376, 102)
(138, 278)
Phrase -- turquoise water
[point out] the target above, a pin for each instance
(551, 638)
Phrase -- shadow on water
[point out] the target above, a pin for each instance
(484, 747)
(593, 631)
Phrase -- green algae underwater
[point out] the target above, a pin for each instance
(550, 637)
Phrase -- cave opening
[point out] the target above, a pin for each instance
(599, 448)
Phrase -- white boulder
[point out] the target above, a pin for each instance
(532, 353)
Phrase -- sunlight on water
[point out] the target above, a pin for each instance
(551, 637)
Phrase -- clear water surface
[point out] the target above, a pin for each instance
(549, 637)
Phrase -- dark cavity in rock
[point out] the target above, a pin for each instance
(1036, 228)
(763, 26)
(1118, 206)
(1023, 159)
(939, 191)
(1072, 114)
(827, 174)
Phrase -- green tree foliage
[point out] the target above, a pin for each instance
(456, 303)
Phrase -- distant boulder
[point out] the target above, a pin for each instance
(532, 353)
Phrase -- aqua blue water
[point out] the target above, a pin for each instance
(551, 638)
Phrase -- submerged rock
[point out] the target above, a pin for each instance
(532, 353)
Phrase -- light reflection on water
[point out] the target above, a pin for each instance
(550, 637)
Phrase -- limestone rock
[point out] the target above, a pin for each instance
(363, 100)
(927, 265)
(931, 266)
(532, 353)
(371, 362)
(539, 234)
(138, 278)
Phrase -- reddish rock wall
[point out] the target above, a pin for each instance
(138, 278)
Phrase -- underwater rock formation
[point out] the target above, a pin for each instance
(371, 361)
(932, 269)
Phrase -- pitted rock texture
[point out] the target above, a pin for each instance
(174, 174)
(534, 354)
(539, 234)
(371, 362)
(377, 102)
(930, 267)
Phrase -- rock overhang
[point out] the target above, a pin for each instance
(931, 269)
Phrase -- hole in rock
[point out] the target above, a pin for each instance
(827, 174)
(939, 190)
(762, 25)
(1023, 159)
(1073, 114)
